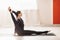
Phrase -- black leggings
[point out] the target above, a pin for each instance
(30, 32)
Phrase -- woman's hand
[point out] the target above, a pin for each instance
(9, 9)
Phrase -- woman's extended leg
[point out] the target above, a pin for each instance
(30, 32)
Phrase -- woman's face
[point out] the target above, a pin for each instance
(19, 15)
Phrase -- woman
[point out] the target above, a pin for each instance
(19, 24)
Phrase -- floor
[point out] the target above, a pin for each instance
(7, 33)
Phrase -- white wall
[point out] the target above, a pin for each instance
(29, 11)
(31, 17)
(46, 11)
(42, 15)
(5, 19)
